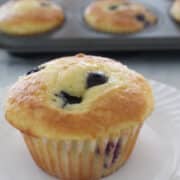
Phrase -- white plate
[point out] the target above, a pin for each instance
(156, 155)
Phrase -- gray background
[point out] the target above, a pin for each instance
(161, 66)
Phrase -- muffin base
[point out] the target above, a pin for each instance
(83, 159)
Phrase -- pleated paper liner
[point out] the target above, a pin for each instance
(83, 159)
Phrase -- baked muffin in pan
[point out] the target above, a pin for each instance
(28, 17)
(118, 16)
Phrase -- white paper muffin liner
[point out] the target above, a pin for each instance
(83, 159)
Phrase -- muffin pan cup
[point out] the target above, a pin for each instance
(75, 35)
(83, 159)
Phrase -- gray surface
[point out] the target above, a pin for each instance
(75, 35)
(161, 66)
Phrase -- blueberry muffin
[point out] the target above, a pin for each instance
(80, 116)
(28, 17)
(118, 16)
(175, 10)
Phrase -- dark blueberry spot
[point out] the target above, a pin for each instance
(44, 4)
(117, 151)
(96, 78)
(68, 99)
(35, 70)
(113, 7)
(105, 165)
(97, 150)
(141, 18)
(109, 147)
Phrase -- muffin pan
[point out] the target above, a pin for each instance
(75, 35)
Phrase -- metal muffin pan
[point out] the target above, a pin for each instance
(75, 35)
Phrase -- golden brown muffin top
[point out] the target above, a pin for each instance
(24, 17)
(77, 97)
(118, 16)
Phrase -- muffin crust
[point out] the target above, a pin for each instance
(123, 100)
